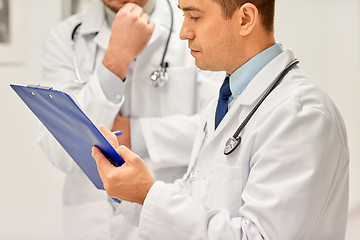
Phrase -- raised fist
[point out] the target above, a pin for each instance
(130, 32)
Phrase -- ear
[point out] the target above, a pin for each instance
(248, 16)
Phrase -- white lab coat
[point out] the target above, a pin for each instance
(287, 180)
(167, 114)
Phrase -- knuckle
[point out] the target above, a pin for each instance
(122, 148)
(136, 161)
(112, 178)
(122, 12)
(133, 17)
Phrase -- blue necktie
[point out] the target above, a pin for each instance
(222, 106)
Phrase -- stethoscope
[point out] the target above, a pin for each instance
(160, 76)
(234, 142)
(157, 78)
(73, 47)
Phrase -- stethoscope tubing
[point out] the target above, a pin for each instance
(169, 36)
(235, 140)
(73, 47)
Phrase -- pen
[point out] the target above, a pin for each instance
(117, 133)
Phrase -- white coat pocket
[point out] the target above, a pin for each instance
(225, 188)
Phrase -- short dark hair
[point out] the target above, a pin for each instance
(266, 9)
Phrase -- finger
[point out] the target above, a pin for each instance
(137, 10)
(144, 17)
(103, 165)
(129, 157)
(97, 159)
(129, 7)
(110, 136)
(151, 26)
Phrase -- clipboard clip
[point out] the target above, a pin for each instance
(41, 87)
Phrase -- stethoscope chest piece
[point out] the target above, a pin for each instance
(231, 144)
(158, 77)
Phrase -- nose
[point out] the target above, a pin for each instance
(186, 33)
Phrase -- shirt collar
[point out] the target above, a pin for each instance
(243, 75)
(93, 19)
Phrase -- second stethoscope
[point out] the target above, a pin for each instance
(157, 78)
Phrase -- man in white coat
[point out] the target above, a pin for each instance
(156, 121)
(286, 179)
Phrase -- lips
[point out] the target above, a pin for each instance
(193, 51)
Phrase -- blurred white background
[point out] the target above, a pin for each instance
(324, 34)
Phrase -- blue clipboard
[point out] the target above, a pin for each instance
(70, 126)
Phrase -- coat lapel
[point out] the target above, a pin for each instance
(251, 94)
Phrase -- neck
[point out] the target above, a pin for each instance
(250, 48)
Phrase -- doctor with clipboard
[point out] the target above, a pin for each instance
(272, 160)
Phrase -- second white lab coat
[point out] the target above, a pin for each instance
(287, 180)
(168, 114)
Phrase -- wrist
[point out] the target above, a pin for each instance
(119, 68)
(149, 186)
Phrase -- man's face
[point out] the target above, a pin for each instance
(211, 37)
(115, 5)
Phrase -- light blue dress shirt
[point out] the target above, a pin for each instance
(244, 74)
